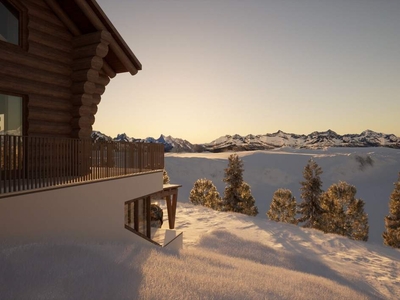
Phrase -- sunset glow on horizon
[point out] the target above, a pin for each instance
(212, 68)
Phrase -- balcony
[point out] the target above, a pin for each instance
(31, 163)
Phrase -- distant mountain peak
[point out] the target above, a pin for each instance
(236, 142)
(314, 140)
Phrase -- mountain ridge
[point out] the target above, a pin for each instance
(268, 141)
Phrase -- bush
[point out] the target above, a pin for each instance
(205, 193)
(283, 207)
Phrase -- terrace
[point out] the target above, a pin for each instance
(32, 163)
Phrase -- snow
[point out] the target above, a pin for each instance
(266, 171)
(226, 255)
(314, 140)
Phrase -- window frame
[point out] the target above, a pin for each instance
(22, 23)
(24, 109)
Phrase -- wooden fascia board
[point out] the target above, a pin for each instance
(110, 27)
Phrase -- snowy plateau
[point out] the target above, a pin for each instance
(236, 142)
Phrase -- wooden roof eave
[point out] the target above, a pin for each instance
(101, 22)
(118, 45)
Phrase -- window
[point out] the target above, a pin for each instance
(9, 23)
(11, 115)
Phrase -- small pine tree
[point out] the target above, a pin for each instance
(205, 193)
(248, 204)
(283, 207)
(359, 228)
(165, 177)
(234, 180)
(237, 194)
(310, 207)
(391, 237)
(343, 213)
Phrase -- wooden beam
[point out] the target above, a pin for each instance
(169, 211)
(100, 89)
(80, 111)
(103, 80)
(50, 128)
(20, 71)
(63, 17)
(94, 62)
(42, 13)
(100, 50)
(87, 74)
(50, 53)
(82, 133)
(92, 38)
(12, 54)
(96, 98)
(87, 10)
(108, 70)
(82, 122)
(49, 115)
(54, 30)
(51, 103)
(83, 87)
(24, 86)
(82, 99)
(104, 35)
(49, 40)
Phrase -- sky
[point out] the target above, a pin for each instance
(212, 68)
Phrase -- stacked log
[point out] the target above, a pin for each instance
(87, 83)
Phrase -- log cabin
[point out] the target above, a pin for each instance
(56, 59)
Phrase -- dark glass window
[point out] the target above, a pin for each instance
(10, 115)
(9, 23)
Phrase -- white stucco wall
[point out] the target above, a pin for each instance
(93, 211)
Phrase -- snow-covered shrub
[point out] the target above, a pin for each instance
(283, 207)
(310, 207)
(205, 193)
(343, 213)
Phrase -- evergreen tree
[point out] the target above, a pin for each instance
(310, 207)
(391, 236)
(237, 194)
(359, 228)
(248, 204)
(165, 177)
(343, 213)
(283, 207)
(205, 193)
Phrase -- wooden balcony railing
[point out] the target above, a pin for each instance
(29, 163)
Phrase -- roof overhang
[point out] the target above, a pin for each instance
(86, 16)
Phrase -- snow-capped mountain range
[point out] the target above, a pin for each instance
(314, 140)
(170, 144)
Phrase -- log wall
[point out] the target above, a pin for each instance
(60, 71)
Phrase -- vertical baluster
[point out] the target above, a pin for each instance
(2, 183)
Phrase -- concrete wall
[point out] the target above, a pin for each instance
(88, 212)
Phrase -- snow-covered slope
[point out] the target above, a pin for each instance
(314, 140)
(266, 171)
(225, 256)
